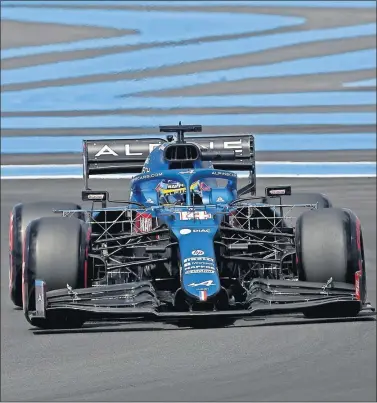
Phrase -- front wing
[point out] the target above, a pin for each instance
(139, 301)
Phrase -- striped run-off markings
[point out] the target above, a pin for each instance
(171, 70)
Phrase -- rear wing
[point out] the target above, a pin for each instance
(127, 156)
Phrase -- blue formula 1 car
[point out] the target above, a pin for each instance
(189, 246)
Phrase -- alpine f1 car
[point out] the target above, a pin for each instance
(189, 247)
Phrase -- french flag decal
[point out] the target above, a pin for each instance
(203, 295)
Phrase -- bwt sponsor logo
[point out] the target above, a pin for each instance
(197, 252)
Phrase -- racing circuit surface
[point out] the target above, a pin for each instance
(254, 361)
(264, 360)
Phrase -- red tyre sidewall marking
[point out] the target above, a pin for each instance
(24, 278)
(88, 235)
(358, 273)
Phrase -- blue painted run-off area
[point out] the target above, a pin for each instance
(229, 120)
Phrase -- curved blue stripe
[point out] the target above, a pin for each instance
(167, 56)
(101, 101)
(156, 27)
(89, 96)
(114, 121)
(250, 3)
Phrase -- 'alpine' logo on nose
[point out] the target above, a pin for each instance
(207, 283)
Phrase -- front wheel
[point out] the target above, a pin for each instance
(20, 217)
(329, 244)
(56, 253)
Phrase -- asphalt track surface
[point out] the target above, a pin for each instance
(253, 361)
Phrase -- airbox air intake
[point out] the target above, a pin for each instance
(181, 152)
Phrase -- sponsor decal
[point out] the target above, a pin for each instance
(145, 170)
(201, 231)
(185, 231)
(220, 200)
(207, 283)
(149, 201)
(224, 173)
(194, 215)
(189, 172)
(143, 222)
(237, 145)
(204, 259)
(199, 271)
(277, 192)
(197, 252)
(95, 196)
(200, 266)
(174, 185)
(157, 175)
(107, 150)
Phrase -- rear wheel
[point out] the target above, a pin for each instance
(20, 217)
(55, 252)
(329, 245)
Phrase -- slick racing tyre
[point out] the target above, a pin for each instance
(20, 217)
(329, 244)
(55, 251)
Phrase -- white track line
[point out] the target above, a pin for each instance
(257, 163)
(329, 176)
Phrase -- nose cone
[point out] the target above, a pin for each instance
(199, 274)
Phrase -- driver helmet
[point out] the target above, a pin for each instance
(172, 192)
